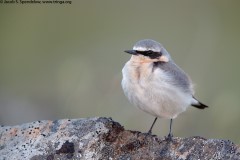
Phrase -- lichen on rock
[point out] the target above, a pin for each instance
(102, 138)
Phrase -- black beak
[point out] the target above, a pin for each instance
(133, 52)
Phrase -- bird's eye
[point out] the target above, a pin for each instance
(147, 53)
(151, 54)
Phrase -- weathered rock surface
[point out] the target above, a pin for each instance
(102, 138)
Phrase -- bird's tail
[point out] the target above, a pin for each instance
(198, 104)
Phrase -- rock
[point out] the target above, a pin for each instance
(102, 138)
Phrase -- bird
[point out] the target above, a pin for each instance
(155, 84)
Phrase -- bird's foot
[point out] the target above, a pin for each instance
(169, 137)
(149, 133)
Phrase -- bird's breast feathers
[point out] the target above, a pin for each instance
(151, 90)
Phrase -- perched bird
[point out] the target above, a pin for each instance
(155, 84)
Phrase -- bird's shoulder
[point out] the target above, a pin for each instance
(177, 76)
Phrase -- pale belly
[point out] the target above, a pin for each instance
(153, 92)
(162, 101)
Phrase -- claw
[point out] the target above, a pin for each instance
(169, 137)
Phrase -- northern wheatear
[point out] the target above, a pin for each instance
(155, 84)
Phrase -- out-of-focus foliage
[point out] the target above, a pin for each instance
(64, 61)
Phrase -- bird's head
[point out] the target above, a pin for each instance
(147, 50)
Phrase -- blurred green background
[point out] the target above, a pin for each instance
(64, 61)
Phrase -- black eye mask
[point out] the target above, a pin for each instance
(150, 54)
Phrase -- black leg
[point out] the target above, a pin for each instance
(170, 131)
(150, 130)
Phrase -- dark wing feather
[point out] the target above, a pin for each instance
(179, 79)
(199, 105)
